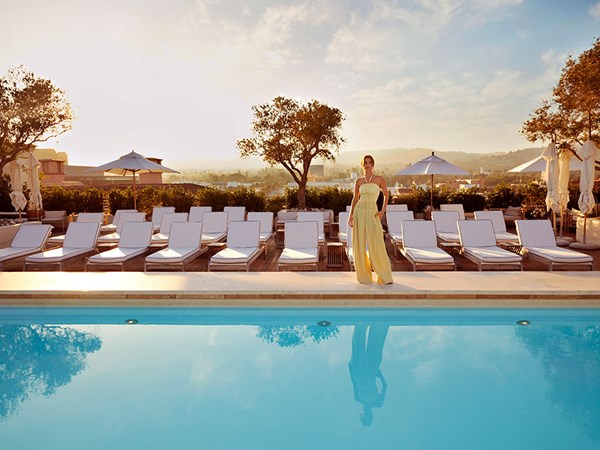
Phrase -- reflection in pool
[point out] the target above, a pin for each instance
(245, 379)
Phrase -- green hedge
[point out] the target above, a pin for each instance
(72, 200)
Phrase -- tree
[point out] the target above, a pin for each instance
(573, 114)
(32, 109)
(292, 134)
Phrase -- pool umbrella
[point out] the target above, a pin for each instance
(17, 198)
(135, 163)
(586, 184)
(432, 165)
(31, 166)
(538, 164)
(564, 164)
(551, 177)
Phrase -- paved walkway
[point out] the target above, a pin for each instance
(310, 289)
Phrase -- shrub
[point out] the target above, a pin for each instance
(243, 196)
(213, 197)
(504, 195)
(72, 200)
(326, 198)
(469, 198)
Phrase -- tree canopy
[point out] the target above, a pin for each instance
(292, 134)
(572, 116)
(32, 109)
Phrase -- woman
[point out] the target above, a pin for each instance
(367, 232)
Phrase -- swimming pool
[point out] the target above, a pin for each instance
(299, 378)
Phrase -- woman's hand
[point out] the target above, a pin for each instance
(350, 221)
(379, 214)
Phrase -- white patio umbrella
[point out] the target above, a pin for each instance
(538, 164)
(30, 165)
(564, 164)
(17, 198)
(586, 184)
(551, 176)
(134, 163)
(432, 165)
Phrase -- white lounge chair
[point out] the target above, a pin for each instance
(396, 207)
(314, 216)
(539, 243)
(196, 213)
(214, 227)
(235, 213)
(79, 240)
(97, 217)
(162, 237)
(394, 225)
(112, 227)
(56, 219)
(243, 247)
(135, 240)
(343, 227)
(184, 246)
(157, 213)
(30, 238)
(445, 225)
(458, 207)
(301, 246)
(479, 246)
(420, 246)
(350, 251)
(499, 225)
(113, 238)
(266, 226)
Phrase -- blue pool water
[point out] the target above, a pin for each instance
(276, 379)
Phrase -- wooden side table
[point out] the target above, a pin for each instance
(280, 237)
(215, 247)
(335, 253)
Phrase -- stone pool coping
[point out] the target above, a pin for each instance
(304, 289)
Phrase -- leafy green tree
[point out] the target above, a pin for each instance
(32, 109)
(573, 114)
(292, 134)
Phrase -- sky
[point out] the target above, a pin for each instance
(177, 79)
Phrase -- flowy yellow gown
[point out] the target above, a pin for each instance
(367, 233)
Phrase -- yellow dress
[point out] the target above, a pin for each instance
(367, 233)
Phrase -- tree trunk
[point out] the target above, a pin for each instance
(302, 195)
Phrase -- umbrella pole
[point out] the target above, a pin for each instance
(134, 195)
(432, 192)
(584, 226)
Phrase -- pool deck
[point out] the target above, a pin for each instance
(300, 289)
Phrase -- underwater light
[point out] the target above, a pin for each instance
(131, 321)
(523, 322)
(324, 323)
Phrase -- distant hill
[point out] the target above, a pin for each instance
(398, 158)
(391, 159)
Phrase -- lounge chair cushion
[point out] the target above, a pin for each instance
(506, 236)
(172, 255)
(116, 255)
(159, 238)
(58, 254)
(111, 238)
(560, 255)
(449, 237)
(299, 255)
(265, 236)
(430, 255)
(212, 237)
(238, 255)
(396, 237)
(492, 255)
(11, 253)
(31, 236)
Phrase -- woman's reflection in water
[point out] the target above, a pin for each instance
(367, 353)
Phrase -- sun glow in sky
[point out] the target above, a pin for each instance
(177, 79)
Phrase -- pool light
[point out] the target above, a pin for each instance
(131, 321)
(324, 323)
(523, 322)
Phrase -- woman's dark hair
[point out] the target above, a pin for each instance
(362, 163)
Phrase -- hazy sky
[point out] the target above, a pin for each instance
(177, 79)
